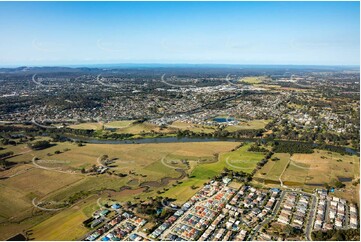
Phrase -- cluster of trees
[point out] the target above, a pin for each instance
(236, 175)
(262, 162)
(257, 148)
(77, 196)
(39, 145)
(154, 208)
(4, 164)
(222, 133)
(292, 147)
(337, 235)
(6, 154)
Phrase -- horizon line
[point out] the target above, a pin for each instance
(170, 64)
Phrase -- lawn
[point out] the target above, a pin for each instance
(241, 159)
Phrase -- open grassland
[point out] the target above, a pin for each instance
(124, 127)
(17, 192)
(253, 124)
(310, 170)
(322, 166)
(147, 162)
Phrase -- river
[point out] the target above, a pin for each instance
(182, 140)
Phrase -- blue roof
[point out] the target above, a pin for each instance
(115, 206)
(105, 239)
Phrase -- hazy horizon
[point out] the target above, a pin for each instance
(240, 33)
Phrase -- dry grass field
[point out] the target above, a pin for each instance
(322, 166)
(310, 170)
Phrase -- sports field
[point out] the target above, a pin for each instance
(253, 124)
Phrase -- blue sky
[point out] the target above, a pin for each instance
(65, 33)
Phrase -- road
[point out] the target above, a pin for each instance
(311, 216)
(44, 209)
(229, 82)
(280, 177)
(41, 84)
(42, 126)
(56, 169)
(270, 218)
(105, 84)
(174, 85)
